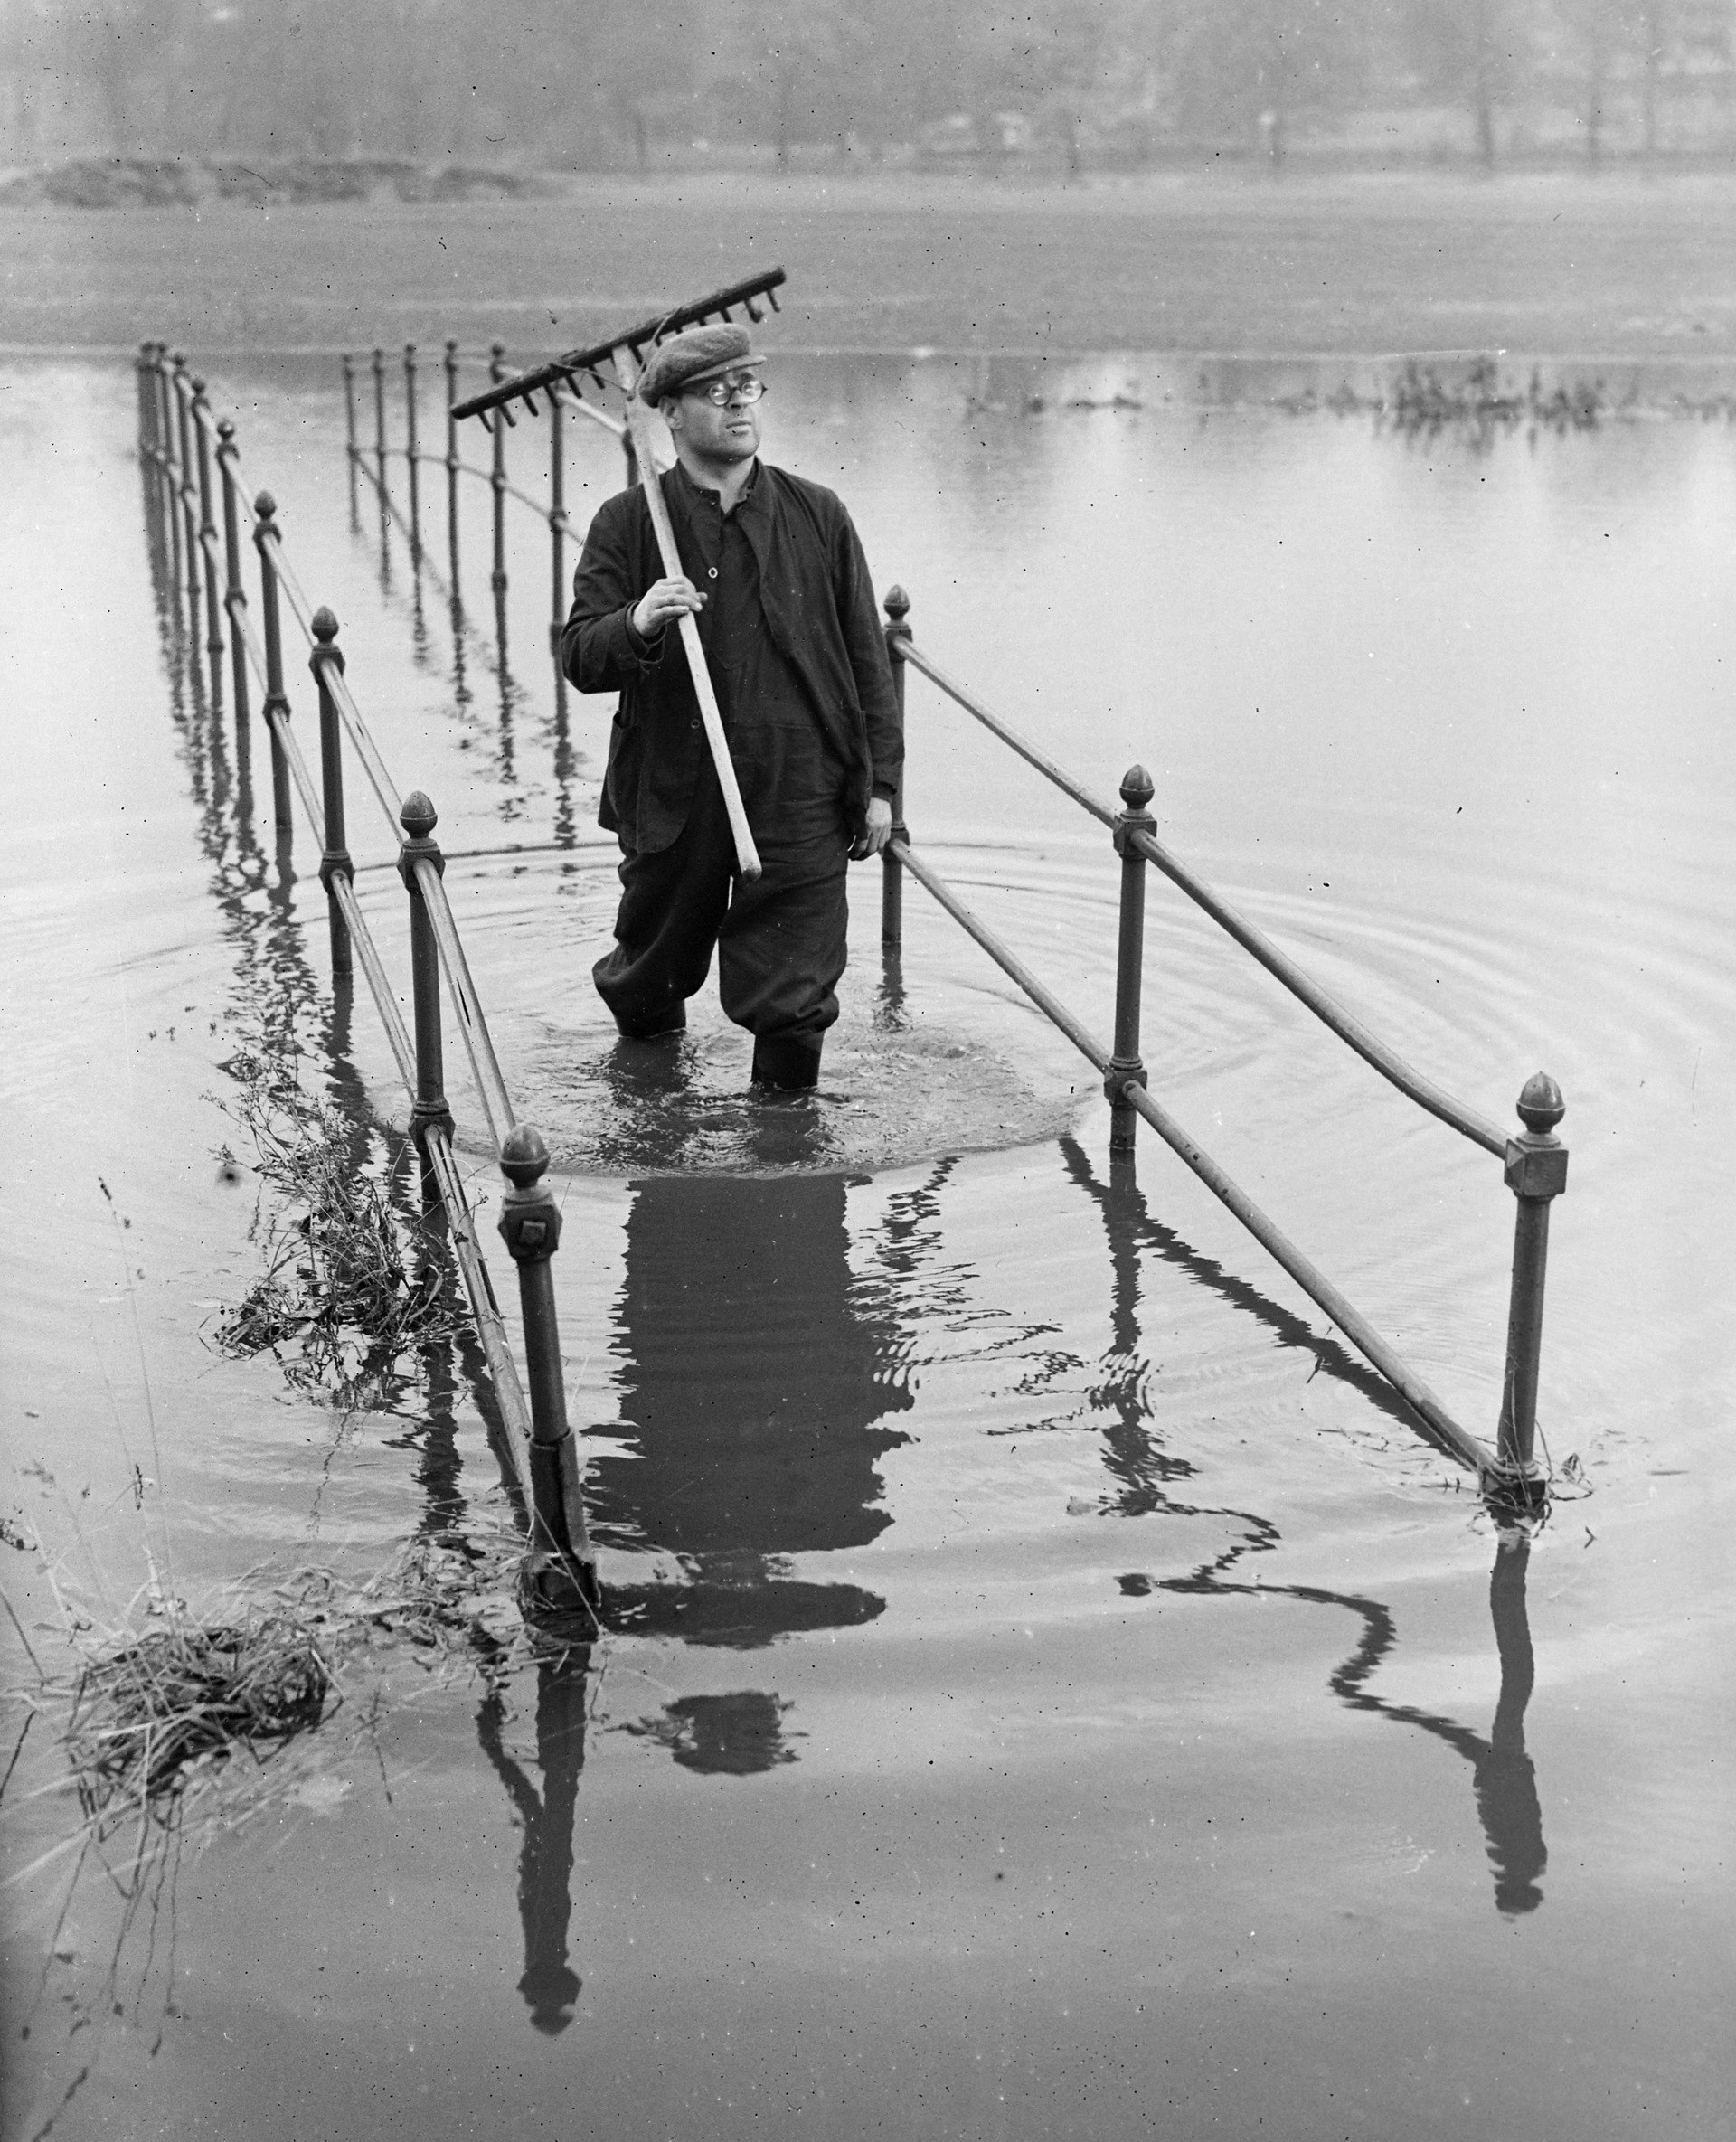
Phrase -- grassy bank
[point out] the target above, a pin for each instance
(1551, 266)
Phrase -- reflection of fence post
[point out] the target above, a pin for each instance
(410, 452)
(419, 818)
(498, 476)
(891, 883)
(276, 706)
(207, 530)
(379, 421)
(1130, 957)
(1536, 1172)
(557, 521)
(530, 1224)
(336, 861)
(234, 592)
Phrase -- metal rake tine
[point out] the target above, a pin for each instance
(530, 402)
(506, 408)
(771, 299)
(753, 311)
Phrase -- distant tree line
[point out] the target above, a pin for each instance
(1080, 84)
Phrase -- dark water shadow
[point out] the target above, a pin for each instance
(1503, 1780)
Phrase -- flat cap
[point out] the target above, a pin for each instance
(693, 355)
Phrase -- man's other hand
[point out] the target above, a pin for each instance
(661, 603)
(877, 831)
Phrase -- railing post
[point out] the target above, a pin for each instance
(1536, 1172)
(207, 530)
(277, 705)
(147, 402)
(452, 460)
(352, 452)
(1130, 958)
(380, 420)
(497, 477)
(184, 488)
(335, 862)
(234, 593)
(410, 452)
(892, 883)
(419, 818)
(557, 522)
(530, 1225)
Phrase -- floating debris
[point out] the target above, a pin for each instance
(351, 1282)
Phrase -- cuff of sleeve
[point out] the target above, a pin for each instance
(886, 790)
(639, 647)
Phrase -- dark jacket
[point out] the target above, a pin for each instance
(819, 609)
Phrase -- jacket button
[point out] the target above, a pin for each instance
(693, 725)
(710, 573)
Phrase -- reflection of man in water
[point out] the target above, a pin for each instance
(752, 1380)
(775, 576)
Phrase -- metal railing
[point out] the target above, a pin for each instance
(370, 461)
(179, 441)
(1534, 1164)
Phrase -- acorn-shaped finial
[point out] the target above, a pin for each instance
(324, 626)
(897, 605)
(225, 428)
(418, 816)
(1541, 1106)
(265, 505)
(523, 1156)
(1137, 788)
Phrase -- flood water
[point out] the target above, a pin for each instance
(1049, 1689)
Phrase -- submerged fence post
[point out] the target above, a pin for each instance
(1130, 958)
(335, 862)
(1536, 1172)
(557, 522)
(207, 531)
(277, 705)
(498, 476)
(419, 818)
(892, 883)
(234, 592)
(530, 1225)
(410, 452)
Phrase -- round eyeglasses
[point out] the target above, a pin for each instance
(735, 386)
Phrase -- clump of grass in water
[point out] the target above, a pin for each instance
(339, 1300)
(142, 1714)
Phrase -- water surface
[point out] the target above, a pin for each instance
(1050, 1691)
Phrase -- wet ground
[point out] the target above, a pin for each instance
(1049, 1689)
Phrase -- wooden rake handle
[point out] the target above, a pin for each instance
(639, 424)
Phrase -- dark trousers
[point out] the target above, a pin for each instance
(780, 941)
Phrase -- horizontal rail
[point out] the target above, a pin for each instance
(366, 749)
(1004, 729)
(478, 1043)
(1349, 1028)
(503, 1370)
(1008, 962)
(1313, 1282)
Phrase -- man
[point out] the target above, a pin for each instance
(776, 579)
